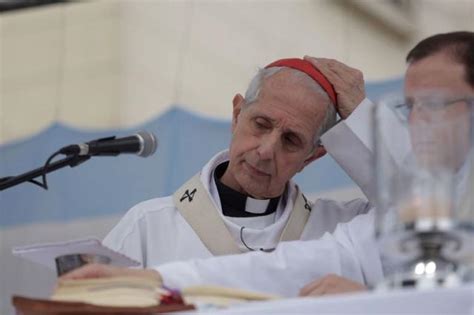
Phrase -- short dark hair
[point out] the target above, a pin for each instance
(459, 45)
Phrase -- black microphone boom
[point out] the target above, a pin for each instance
(142, 144)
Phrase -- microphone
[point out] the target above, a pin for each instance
(143, 144)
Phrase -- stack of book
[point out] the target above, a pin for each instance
(131, 295)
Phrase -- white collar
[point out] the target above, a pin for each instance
(207, 178)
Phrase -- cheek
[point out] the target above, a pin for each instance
(241, 143)
(289, 165)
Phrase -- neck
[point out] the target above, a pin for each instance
(237, 204)
(228, 179)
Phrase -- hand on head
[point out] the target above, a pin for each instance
(348, 83)
(331, 284)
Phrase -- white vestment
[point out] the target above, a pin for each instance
(350, 143)
(350, 251)
(154, 232)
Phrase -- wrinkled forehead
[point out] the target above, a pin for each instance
(311, 71)
(295, 89)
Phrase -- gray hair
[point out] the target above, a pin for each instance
(253, 90)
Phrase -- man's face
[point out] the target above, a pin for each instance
(273, 138)
(441, 134)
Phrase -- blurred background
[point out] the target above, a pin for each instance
(73, 71)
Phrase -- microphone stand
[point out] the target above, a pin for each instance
(71, 160)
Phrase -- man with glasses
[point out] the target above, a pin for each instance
(442, 64)
(440, 75)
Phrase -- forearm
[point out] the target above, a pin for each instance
(282, 272)
(350, 144)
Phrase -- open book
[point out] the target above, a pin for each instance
(46, 253)
(222, 296)
(116, 291)
(122, 292)
(131, 291)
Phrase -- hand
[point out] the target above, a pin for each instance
(106, 271)
(348, 83)
(331, 284)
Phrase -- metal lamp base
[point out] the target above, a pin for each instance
(426, 259)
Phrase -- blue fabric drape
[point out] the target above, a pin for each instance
(111, 185)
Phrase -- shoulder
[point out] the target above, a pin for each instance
(133, 225)
(357, 205)
(327, 214)
(151, 207)
(330, 210)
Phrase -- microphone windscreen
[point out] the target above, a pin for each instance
(150, 143)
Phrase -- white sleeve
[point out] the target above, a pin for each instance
(350, 143)
(126, 237)
(286, 270)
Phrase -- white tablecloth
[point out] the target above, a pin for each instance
(435, 301)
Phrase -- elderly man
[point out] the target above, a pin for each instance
(350, 253)
(244, 198)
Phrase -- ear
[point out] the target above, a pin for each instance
(318, 152)
(237, 103)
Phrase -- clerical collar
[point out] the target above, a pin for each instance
(235, 204)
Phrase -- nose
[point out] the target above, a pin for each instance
(419, 114)
(268, 146)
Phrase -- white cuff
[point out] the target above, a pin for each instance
(178, 275)
(360, 121)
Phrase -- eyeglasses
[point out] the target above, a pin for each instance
(432, 104)
(266, 250)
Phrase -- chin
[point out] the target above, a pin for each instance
(253, 187)
(264, 195)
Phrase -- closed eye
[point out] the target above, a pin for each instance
(262, 123)
(292, 141)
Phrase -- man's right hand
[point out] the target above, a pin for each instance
(106, 271)
(331, 284)
(347, 82)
